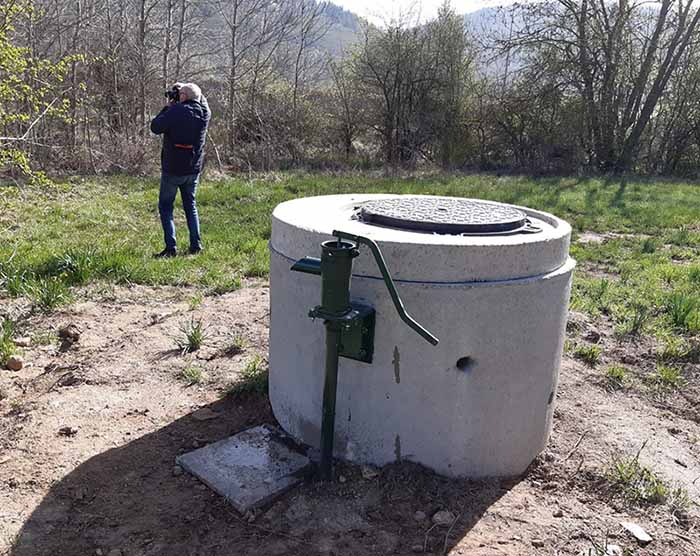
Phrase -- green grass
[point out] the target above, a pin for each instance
(106, 229)
(252, 379)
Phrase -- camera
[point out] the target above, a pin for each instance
(173, 95)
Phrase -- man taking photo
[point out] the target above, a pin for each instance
(183, 123)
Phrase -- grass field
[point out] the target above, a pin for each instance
(645, 276)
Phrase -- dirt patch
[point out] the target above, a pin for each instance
(89, 435)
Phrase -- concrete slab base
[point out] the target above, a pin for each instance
(249, 468)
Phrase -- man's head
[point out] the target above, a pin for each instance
(189, 91)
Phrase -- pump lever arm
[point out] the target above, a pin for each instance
(410, 321)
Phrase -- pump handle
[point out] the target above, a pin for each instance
(410, 321)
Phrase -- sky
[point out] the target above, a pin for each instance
(379, 10)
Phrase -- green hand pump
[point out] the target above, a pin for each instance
(349, 325)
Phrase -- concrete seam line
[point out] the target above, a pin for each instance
(568, 266)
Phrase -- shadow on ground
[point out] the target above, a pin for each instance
(129, 501)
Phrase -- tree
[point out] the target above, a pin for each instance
(618, 57)
(30, 91)
(347, 109)
(672, 143)
(414, 77)
(309, 29)
(451, 59)
(255, 29)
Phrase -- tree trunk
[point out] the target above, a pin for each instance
(231, 102)
(167, 41)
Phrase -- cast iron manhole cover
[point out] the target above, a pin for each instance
(445, 215)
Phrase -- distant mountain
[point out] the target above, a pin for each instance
(344, 32)
(346, 27)
(342, 17)
(483, 20)
(488, 23)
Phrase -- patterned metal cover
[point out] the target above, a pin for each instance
(444, 215)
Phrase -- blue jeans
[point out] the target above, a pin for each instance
(168, 191)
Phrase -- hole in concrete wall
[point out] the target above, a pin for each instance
(465, 363)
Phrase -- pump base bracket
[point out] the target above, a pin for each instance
(357, 334)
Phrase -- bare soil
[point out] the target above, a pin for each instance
(89, 434)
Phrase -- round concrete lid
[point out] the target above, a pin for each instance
(445, 215)
(299, 226)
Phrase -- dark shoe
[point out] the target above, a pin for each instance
(194, 249)
(166, 254)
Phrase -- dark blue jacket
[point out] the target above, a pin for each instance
(184, 129)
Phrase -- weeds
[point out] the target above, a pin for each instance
(195, 301)
(601, 295)
(649, 245)
(14, 283)
(237, 345)
(252, 379)
(191, 375)
(7, 346)
(636, 482)
(678, 503)
(226, 285)
(682, 310)
(593, 296)
(193, 335)
(49, 293)
(602, 549)
(675, 349)
(634, 322)
(667, 378)
(679, 236)
(694, 275)
(616, 377)
(588, 353)
(44, 338)
(257, 265)
(77, 266)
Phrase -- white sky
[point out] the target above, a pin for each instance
(381, 10)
